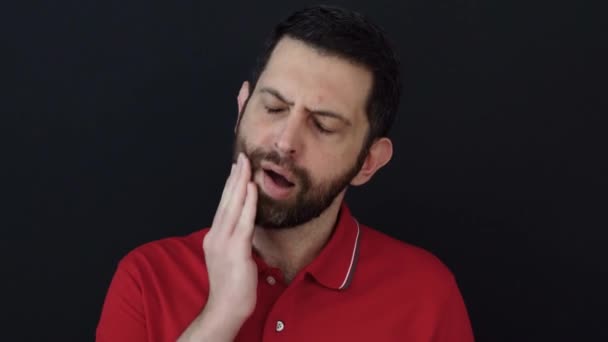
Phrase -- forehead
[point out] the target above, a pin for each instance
(307, 76)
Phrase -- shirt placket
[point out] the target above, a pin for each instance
(280, 320)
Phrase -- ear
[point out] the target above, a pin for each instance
(380, 153)
(241, 99)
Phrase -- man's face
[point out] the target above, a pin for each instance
(303, 130)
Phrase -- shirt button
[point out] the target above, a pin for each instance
(280, 326)
(271, 280)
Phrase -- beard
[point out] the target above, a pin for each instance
(311, 199)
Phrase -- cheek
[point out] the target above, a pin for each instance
(336, 160)
(252, 129)
(326, 166)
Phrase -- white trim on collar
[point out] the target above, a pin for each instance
(353, 258)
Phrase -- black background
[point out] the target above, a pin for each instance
(117, 130)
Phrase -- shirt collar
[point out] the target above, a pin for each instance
(334, 267)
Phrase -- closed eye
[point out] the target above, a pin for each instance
(274, 110)
(321, 128)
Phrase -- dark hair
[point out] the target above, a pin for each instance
(349, 35)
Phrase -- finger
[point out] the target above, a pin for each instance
(247, 219)
(230, 178)
(226, 193)
(229, 183)
(234, 206)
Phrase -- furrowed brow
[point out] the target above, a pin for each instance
(276, 94)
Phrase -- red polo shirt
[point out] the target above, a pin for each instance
(363, 286)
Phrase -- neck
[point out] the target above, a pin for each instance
(291, 249)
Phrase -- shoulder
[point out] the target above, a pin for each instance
(165, 254)
(403, 264)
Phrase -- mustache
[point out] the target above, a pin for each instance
(257, 156)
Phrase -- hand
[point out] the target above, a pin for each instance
(233, 274)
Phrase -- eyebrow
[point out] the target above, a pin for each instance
(326, 113)
(276, 94)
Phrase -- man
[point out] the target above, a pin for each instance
(284, 259)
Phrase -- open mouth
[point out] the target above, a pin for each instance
(278, 179)
(277, 182)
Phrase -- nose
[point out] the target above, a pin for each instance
(288, 140)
